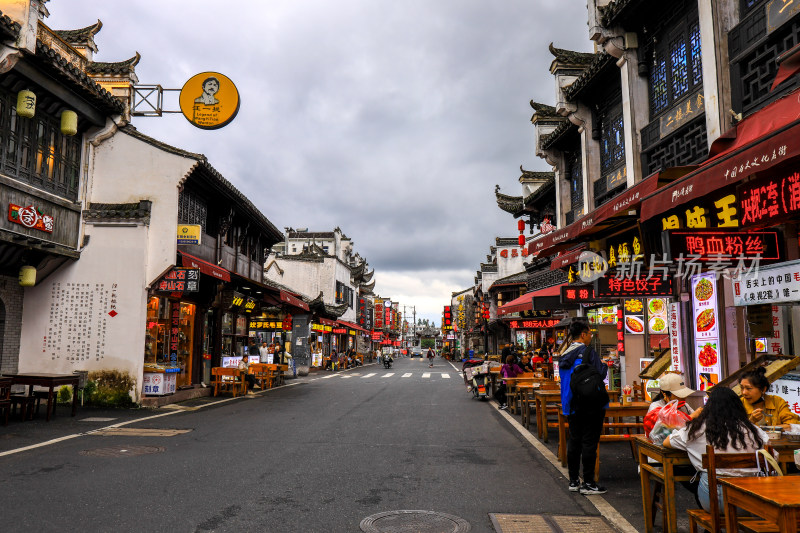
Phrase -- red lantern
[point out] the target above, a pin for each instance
(521, 225)
(521, 240)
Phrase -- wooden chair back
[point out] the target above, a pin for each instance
(221, 371)
(711, 462)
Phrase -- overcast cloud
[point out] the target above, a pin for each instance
(391, 120)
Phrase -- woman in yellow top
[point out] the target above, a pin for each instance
(764, 409)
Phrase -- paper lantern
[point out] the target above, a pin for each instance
(26, 103)
(521, 240)
(521, 225)
(27, 276)
(69, 122)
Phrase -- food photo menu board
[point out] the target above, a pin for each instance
(634, 317)
(706, 329)
(657, 317)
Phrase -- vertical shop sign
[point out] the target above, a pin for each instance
(706, 329)
(174, 333)
(620, 334)
(676, 363)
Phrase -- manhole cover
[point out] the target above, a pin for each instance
(413, 522)
(122, 451)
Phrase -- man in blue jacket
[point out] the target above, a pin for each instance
(586, 422)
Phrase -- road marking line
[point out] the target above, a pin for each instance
(445, 376)
(407, 374)
(328, 377)
(390, 374)
(600, 503)
(426, 375)
(346, 377)
(368, 375)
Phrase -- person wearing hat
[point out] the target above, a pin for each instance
(672, 388)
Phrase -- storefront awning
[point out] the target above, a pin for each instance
(567, 258)
(293, 301)
(205, 267)
(606, 215)
(766, 138)
(326, 322)
(351, 326)
(526, 301)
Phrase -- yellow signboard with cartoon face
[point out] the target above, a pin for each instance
(209, 100)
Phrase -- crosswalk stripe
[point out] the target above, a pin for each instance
(445, 376)
(426, 375)
(407, 374)
(328, 377)
(390, 374)
(369, 375)
(347, 377)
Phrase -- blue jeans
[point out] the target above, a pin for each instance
(702, 493)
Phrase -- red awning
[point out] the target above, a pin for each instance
(567, 258)
(352, 326)
(525, 302)
(326, 322)
(766, 138)
(606, 214)
(190, 261)
(293, 301)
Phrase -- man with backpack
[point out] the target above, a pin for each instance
(584, 400)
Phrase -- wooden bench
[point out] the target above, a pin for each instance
(276, 373)
(228, 379)
(263, 375)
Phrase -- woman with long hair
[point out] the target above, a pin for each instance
(723, 424)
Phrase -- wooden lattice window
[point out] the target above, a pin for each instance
(575, 177)
(676, 69)
(192, 209)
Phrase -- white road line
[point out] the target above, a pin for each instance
(407, 374)
(445, 376)
(600, 503)
(426, 375)
(390, 374)
(346, 377)
(328, 377)
(369, 375)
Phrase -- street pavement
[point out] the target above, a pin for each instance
(319, 454)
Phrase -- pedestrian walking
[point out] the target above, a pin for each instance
(431, 355)
(586, 409)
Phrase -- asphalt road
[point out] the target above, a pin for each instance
(318, 455)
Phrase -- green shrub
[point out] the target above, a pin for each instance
(109, 388)
(64, 394)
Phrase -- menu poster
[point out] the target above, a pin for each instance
(706, 330)
(675, 337)
(657, 319)
(634, 317)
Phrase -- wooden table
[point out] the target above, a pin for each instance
(51, 381)
(664, 472)
(785, 449)
(542, 398)
(776, 499)
(512, 385)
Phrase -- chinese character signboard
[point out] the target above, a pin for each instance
(533, 324)
(30, 217)
(769, 200)
(788, 388)
(769, 285)
(682, 113)
(780, 11)
(705, 325)
(209, 100)
(189, 233)
(180, 280)
(675, 337)
(578, 294)
(633, 287)
(716, 245)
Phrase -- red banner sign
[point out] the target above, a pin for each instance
(716, 245)
(533, 324)
(30, 217)
(577, 294)
(767, 200)
(633, 287)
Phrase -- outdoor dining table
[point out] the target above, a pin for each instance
(542, 398)
(51, 381)
(785, 450)
(663, 471)
(512, 391)
(776, 499)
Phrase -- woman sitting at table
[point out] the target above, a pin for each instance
(508, 370)
(723, 424)
(764, 409)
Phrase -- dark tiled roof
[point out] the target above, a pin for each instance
(202, 163)
(81, 35)
(311, 235)
(506, 241)
(542, 191)
(600, 62)
(367, 288)
(520, 278)
(509, 204)
(8, 27)
(76, 79)
(569, 57)
(544, 110)
(488, 268)
(546, 141)
(534, 175)
(139, 211)
(120, 67)
(615, 9)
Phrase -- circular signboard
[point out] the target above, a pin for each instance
(209, 100)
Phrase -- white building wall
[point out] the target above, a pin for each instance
(508, 263)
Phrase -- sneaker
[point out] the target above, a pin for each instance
(504, 407)
(574, 485)
(592, 488)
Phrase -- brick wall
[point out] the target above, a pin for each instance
(11, 297)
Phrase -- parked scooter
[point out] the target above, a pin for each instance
(387, 361)
(477, 378)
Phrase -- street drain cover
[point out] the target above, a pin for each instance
(122, 451)
(413, 522)
(532, 523)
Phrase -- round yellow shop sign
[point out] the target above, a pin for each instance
(209, 100)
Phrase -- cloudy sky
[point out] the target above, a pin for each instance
(392, 120)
